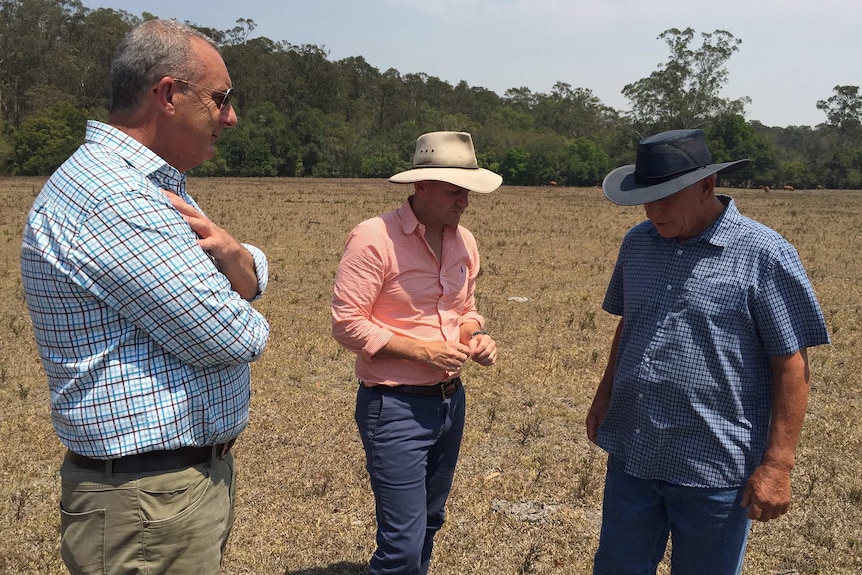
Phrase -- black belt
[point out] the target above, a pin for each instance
(442, 390)
(153, 460)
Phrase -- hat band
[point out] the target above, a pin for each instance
(652, 180)
(416, 166)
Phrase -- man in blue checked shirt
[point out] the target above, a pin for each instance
(703, 399)
(140, 307)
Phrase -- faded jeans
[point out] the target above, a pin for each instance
(707, 527)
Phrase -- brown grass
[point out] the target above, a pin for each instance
(304, 502)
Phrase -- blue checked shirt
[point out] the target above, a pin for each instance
(691, 394)
(144, 343)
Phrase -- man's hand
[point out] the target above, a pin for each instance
(232, 259)
(445, 355)
(767, 493)
(597, 412)
(483, 349)
(213, 239)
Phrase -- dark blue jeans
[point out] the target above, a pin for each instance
(411, 448)
(708, 528)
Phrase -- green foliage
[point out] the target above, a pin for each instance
(514, 167)
(844, 108)
(302, 114)
(382, 165)
(259, 146)
(44, 141)
(684, 93)
(731, 138)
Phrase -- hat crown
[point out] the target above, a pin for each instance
(667, 155)
(445, 150)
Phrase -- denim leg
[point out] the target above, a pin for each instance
(707, 527)
(400, 433)
(634, 524)
(442, 459)
(709, 530)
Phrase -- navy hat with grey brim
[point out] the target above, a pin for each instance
(666, 163)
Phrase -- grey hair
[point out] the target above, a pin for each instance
(149, 52)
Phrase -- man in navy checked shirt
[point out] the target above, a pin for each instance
(703, 399)
(142, 316)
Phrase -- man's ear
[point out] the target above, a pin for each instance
(164, 93)
(709, 183)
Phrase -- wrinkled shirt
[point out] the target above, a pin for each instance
(144, 343)
(692, 387)
(390, 282)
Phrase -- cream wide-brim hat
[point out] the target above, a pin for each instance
(448, 157)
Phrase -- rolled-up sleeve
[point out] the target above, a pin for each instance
(261, 269)
(358, 283)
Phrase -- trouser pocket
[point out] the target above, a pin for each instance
(82, 545)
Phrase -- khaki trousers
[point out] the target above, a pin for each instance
(167, 522)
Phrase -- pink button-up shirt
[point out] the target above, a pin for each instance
(390, 282)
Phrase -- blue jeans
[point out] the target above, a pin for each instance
(411, 447)
(708, 528)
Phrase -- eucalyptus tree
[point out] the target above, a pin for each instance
(34, 54)
(684, 92)
(844, 108)
(571, 112)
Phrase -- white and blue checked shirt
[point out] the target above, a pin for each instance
(145, 344)
(691, 394)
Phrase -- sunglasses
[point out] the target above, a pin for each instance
(221, 99)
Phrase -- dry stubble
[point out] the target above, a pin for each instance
(528, 489)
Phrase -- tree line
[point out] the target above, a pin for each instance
(302, 114)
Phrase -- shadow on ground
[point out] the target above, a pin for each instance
(342, 568)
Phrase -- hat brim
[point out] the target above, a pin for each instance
(620, 186)
(474, 179)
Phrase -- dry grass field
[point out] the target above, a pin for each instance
(527, 494)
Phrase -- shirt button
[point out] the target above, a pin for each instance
(637, 431)
(669, 287)
(640, 396)
(679, 252)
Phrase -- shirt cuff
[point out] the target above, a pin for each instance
(261, 269)
(377, 342)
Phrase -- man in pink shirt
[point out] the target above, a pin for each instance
(404, 304)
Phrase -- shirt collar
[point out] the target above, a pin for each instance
(137, 155)
(409, 222)
(719, 233)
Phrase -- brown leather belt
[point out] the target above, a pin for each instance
(442, 390)
(153, 460)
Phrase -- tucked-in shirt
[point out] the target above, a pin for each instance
(144, 343)
(692, 384)
(389, 282)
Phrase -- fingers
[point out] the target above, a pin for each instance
(483, 350)
(449, 356)
(181, 205)
(766, 512)
(746, 497)
(591, 429)
(764, 500)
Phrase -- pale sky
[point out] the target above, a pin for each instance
(793, 52)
